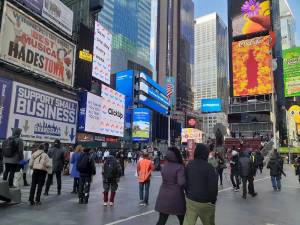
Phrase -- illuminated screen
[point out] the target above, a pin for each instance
(250, 16)
(252, 73)
(291, 67)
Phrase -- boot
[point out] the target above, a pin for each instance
(86, 200)
(25, 180)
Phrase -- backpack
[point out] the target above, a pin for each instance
(110, 169)
(10, 147)
(84, 164)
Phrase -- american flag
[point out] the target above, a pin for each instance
(169, 90)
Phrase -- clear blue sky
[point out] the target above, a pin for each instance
(203, 7)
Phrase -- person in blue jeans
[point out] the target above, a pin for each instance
(276, 170)
(74, 172)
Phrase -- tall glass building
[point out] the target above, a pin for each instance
(130, 24)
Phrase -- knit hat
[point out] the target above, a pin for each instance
(201, 152)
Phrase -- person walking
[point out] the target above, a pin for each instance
(144, 171)
(234, 171)
(259, 161)
(247, 172)
(171, 199)
(13, 153)
(275, 172)
(57, 155)
(87, 168)
(212, 160)
(201, 189)
(111, 173)
(74, 172)
(39, 163)
(221, 166)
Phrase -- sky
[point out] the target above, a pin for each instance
(203, 7)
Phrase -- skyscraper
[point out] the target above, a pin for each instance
(287, 22)
(175, 48)
(211, 68)
(130, 24)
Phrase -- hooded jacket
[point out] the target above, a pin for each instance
(19, 155)
(275, 167)
(57, 156)
(39, 161)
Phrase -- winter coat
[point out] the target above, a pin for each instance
(201, 182)
(144, 170)
(19, 155)
(39, 161)
(171, 199)
(259, 159)
(90, 168)
(234, 163)
(275, 167)
(246, 166)
(74, 160)
(57, 156)
(117, 169)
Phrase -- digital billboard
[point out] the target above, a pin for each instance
(191, 134)
(153, 104)
(291, 74)
(154, 94)
(41, 115)
(28, 44)
(252, 69)
(250, 16)
(124, 85)
(141, 124)
(211, 105)
(102, 53)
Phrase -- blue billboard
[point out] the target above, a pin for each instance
(211, 105)
(154, 94)
(153, 105)
(141, 124)
(5, 100)
(124, 85)
(153, 83)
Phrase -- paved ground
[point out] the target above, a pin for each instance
(268, 208)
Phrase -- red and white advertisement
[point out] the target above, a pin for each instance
(28, 44)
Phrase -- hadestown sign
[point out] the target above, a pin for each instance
(28, 44)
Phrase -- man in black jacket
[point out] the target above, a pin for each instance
(247, 173)
(234, 173)
(201, 189)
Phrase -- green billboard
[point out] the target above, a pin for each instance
(291, 68)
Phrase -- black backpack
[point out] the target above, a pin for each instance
(84, 164)
(110, 169)
(10, 147)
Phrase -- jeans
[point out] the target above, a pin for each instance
(49, 181)
(276, 182)
(235, 180)
(206, 212)
(38, 181)
(144, 196)
(163, 218)
(220, 172)
(250, 181)
(75, 185)
(9, 172)
(84, 187)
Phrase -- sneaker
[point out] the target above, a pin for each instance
(236, 190)
(111, 204)
(31, 203)
(38, 203)
(105, 204)
(142, 203)
(254, 195)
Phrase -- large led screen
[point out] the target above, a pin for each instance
(252, 73)
(141, 124)
(291, 67)
(211, 105)
(250, 16)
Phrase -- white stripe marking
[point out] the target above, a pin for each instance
(152, 211)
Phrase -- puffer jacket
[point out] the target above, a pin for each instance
(275, 167)
(39, 161)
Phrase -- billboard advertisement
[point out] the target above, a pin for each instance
(252, 67)
(41, 115)
(54, 11)
(191, 134)
(154, 94)
(171, 87)
(28, 44)
(211, 105)
(5, 99)
(250, 16)
(141, 124)
(152, 104)
(291, 75)
(102, 53)
(124, 85)
(153, 83)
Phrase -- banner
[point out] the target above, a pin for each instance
(59, 14)
(102, 54)
(191, 134)
(5, 99)
(28, 44)
(41, 115)
(291, 75)
(35, 5)
(141, 124)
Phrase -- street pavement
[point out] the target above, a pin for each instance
(268, 208)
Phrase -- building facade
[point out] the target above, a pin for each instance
(287, 22)
(130, 24)
(175, 48)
